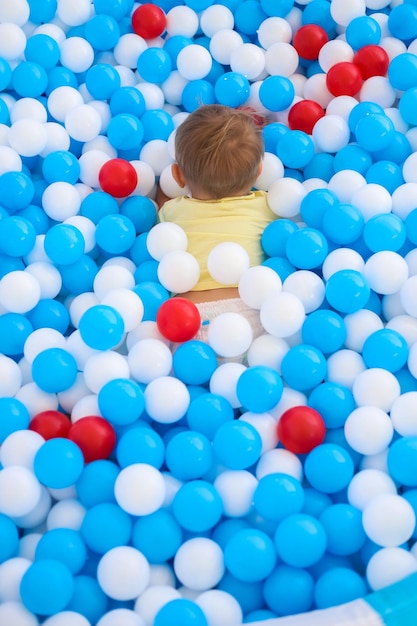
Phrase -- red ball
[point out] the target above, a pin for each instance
(308, 41)
(50, 424)
(372, 61)
(344, 79)
(178, 319)
(149, 21)
(94, 436)
(118, 178)
(304, 114)
(300, 429)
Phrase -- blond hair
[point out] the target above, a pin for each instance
(219, 149)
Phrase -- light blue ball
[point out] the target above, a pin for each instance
(154, 65)
(333, 401)
(374, 132)
(102, 80)
(303, 367)
(96, 483)
(402, 461)
(157, 124)
(402, 71)
(64, 244)
(402, 21)
(127, 99)
(54, 370)
(306, 248)
(344, 530)
(102, 32)
(46, 587)
(125, 132)
(121, 401)
(295, 149)
(194, 362)
(197, 506)
(29, 79)
(61, 165)
(101, 327)
(232, 89)
(97, 205)
(315, 204)
(14, 416)
(140, 444)
(347, 291)
(300, 540)
(275, 236)
(363, 31)
(88, 598)
(385, 173)
(50, 313)
(158, 536)
(65, 545)
(386, 349)
(277, 8)
(152, 294)
(325, 330)
(352, 157)
(78, 277)
(180, 611)
(189, 455)
(385, 232)
(115, 234)
(208, 412)
(250, 555)
(343, 224)
(10, 538)
(14, 330)
(329, 468)
(237, 445)
(16, 190)
(197, 93)
(259, 388)
(17, 236)
(276, 93)
(58, 463)
(361, 110)
(289, 590)
(278, 495)
(106, 526)
(338, 586)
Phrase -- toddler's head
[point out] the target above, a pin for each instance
(219, 150)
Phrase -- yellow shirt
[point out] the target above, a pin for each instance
(207, 223)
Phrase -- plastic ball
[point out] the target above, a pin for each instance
(300, 540)
(308, 40)
(259, 389)
(94, 436)
(114, 573)
(188, 559)
(197, 506)
(230, 334)
(178, 271)
(237, 445)
(388, 566)
(329, 468)
(54, 370)
(46, 587)
(194, 62)
(117, 393)
(145, 368)
(178, 319)
(166, 399)
(149, 489)
(278, 495)
(165, 237)
(149, 21)
(21, 491)
(250, 555)
(344, 78)
(375, 272)
(101, 327)
(304, 114)
(58, 453)
(118, 178)
(300, 429)
(232, 89)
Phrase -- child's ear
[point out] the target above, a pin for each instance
(260, 166)
(177, 174)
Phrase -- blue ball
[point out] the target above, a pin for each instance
(189, 455)
(237, 445)
(325, 330)
(402, 461)
(29, 79)
(10, 538)
(397, 151)
(259, 388)
(147, 271)
(363, 31)
(97, 205)
(402, 21)
(64, 244)
(343, 224)
(306, 248)
(157, 124)
(352, 157)
(106, 526)
(344, 530)
(250, 555)
(249, 15)
(116, 8)
(402, 71)
(374, 132)
(271, 134)
(289, 590)
(14, 416)
(385, 173)
(180, 611)
(102, 80)
(79, 277)
(50, 313)
(117, 393)
(329, 468)
(102, 32)
(141, 211)
(276, 93)
(158, 536)
(88, 598)
(101, 327)
(14, 330)
(140, 444)
(154, 65)
(333, 401)
(17, 236)
(278, 495)
(127, 99)
(277, 8)
(208, 412)
(347, 291)
(315, 502)
(315, 204)
(386, 349)
(197, 506)
(16, 190)
(42, 49)
(194, 362)
(58, 463)
(125, 132)
(275, 236)
(5, 76)
(37, 217)
(60, 77)
(384, 232)
(280, 265)
(4, 113)
(65, 545)
(300, 540)
(303, 367)
(152, 294)
(338, 586)
(42, 12)
(61, 165)
(96, 483)
(295, 149)
(115, 234)
(46, 587)
(197, 93)
(361, 110)
(54, 370)
(232, 89)
(321, 165)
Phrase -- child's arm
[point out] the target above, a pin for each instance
(160, 197)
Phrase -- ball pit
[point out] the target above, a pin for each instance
(150, 479)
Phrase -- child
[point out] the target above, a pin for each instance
(219, 153)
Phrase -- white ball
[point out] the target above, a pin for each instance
(28, 108)
(285, 196)
(166, 399)
(152, 600)
(139, 489)
(57, 139)
(406, 326)
(345, 183)
(147, 172)
(272, 170)
(334, 51)
(403, 199)
(123, 573)
(19, 291)
(359, 325)
(388, 566)
(342, 259)
(341, 106)
(83, 123)
(182, 20)
(220, 608)
(27, 137)
(20, 448)
(412, 360)
(128, 49)
(223, 43)
(230, 334)
(61, 200)
(368, 430)
(67, 513)
(110, 277)
(128, 304)
(42, 339)
(11, 573)
(380, 90)
(248, 60)
(215, 18)
(103, 367)
(84, 406)
(408, 297)
(16, 613)
(279, 461)
(148, 359)
(224, 380)
(20, 491)
(67, 618)
(282, 314)
(10, 160)
(273, 30)
(389, 520)
(90, 164)
(308, 287)
(386, 272)
(257, 283)
(376, 387)
(12, 41)
(315, 88)
(48, 277)
(372, 200)
(331, 133)
(403, 414)
(178, 271)
(343, 13)
(194, 62)
(11, 377)
(62, 100)
(165, 237)
(236, 489)
(77, 54)
(344, 367)
(156, 154)
(36, 400)
(74, 13)
(267, 350)
(227, 262)
(281, 59)
(367, 485)
(199, 563)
